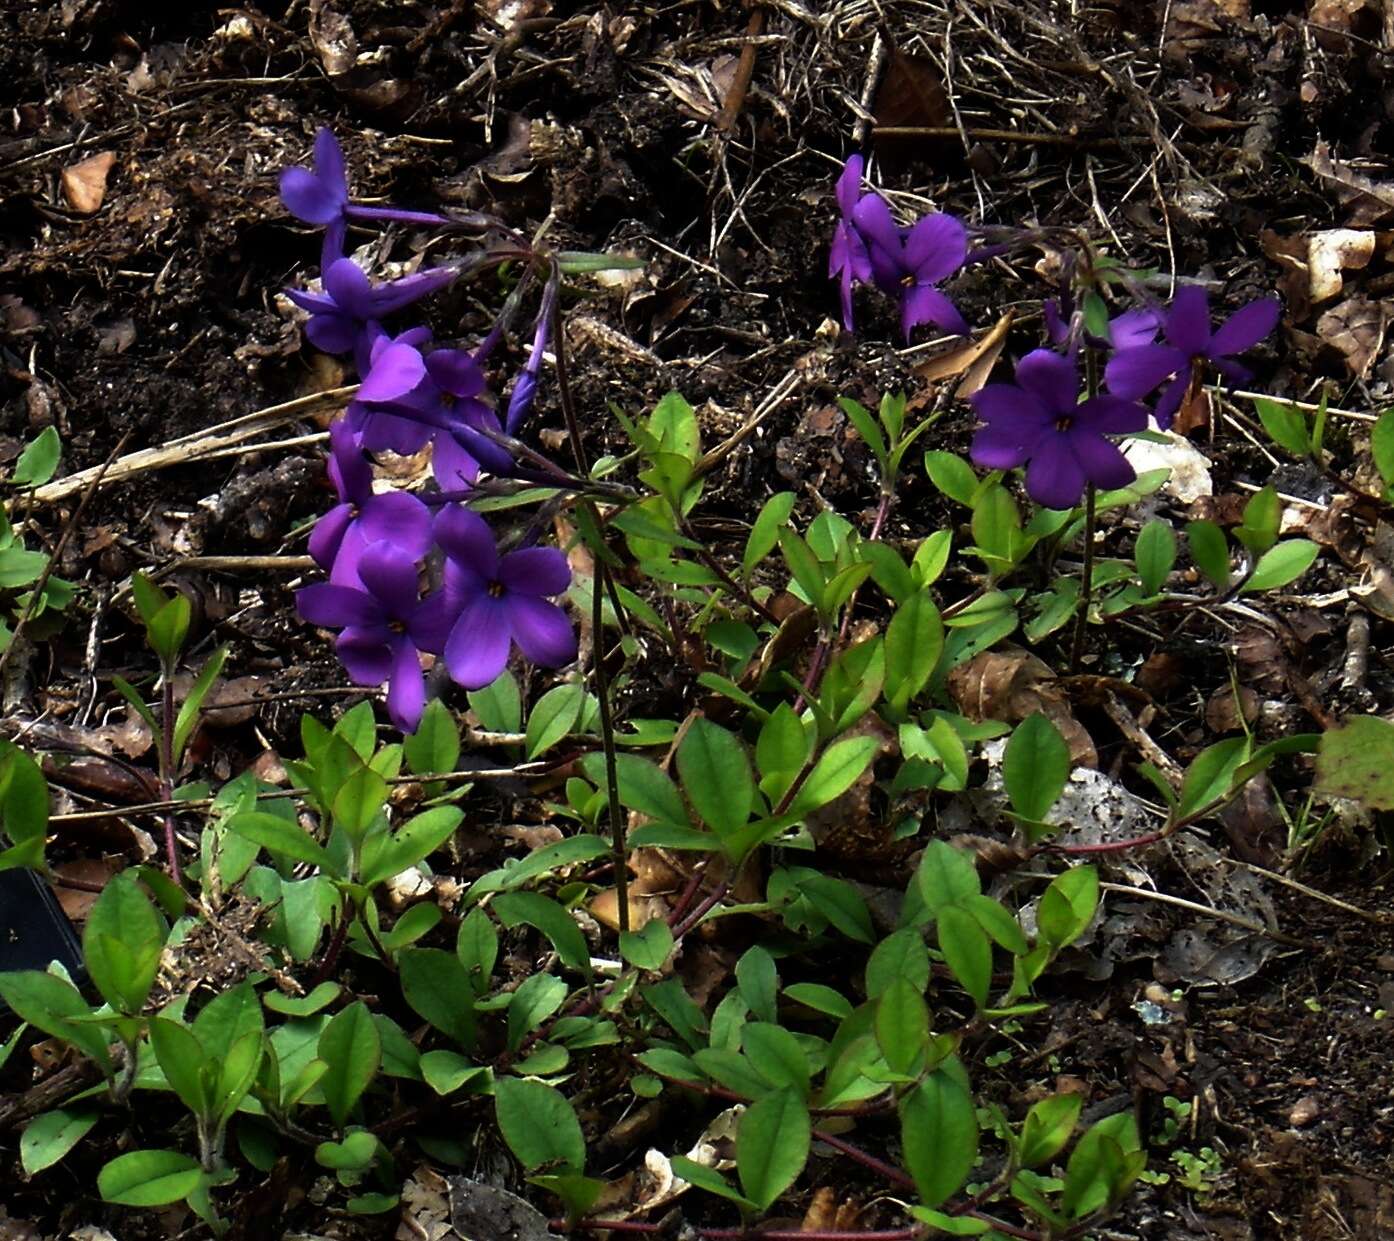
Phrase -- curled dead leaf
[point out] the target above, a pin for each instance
(1333, 251)
(84, 183)
(1010, 684)
(1355, 329)
(973, 361)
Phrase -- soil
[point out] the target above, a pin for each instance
(1209, 137)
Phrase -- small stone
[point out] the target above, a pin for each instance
(1304, 1111)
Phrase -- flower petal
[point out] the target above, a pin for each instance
(396, 294)
(382, 431)
(391, 576)
(329, 165)
(849, 184)
(399, 519)
(1055, 477)
(936, 247)
(1132, 373)
(453, 464)
(1000, 448)
(1111, 415)
(1170, 400)
(1008, 407)
(1246, 327)
(396, 370)
(1188, 321)
(923, 304)
(307, 198)
(456, 371)
(349, 286)
(535, 571)
(332, 607)
(542, 631)
(434, 618)
(1134, 328)
(477, 650)
(1103, 464)
(328, 534)
(465, 536)
(333, 333)
(406, 687)
(366, 654)
(873, 219)
(1052, 378)
(348, 467)
(521, 401)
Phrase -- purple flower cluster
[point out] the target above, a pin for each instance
(1039, 421)
(374, 545)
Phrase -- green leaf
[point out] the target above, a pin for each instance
(50, 1004)
(758, 981)
(557, 713)
(547, 916)
(538, 996)
(352, 1048)
(1035, 767)
(772, 1146)
(568, 852)
(1067, 905)
(358, 801)
(539, 1125)
(642, 786)
(783, 747)
(183, 1060)
(435, 745)
(280, 837)
(1048, 1127)
(946, 875)
(939, 1136)
(1282, 564)
(583, 262)
(902, 1025)
(498, 705)
(446, 1072)
(1263, 515)
(50, 1136)
(1356, 760)
(820, 998)
(415, 840)
(1210, 777)
(187, 719)
(952, 475)
(1155, 554)
(1102, 1165)
(674, 425)
(477, 948)
(20, 567)
(1382, 446)
(39, 459)
(716, 776)
(838, 768)
(808, 573)
(649, 948)
(122, 943)
(914, 643)
(953, 1225)
(967, 950)
(776, 1054)
(860, 417)
(1287, 427)
(902, 954)
(357, 1151)
(710, 1179)
(306, 1005)
(764, 534)
(23, 796)
(148, 1178)
(435, 984)
(417, 922)
(1210, 551)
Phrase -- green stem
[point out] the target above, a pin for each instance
(1086, 590)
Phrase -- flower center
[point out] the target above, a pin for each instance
(495, 590)
(396, 626)
(908, 281)
(1064, 422)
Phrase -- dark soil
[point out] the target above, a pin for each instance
(1186, 148)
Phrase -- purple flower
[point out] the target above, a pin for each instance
(525, 386)
(848, 260)
(362, 517)
(1136, 371)
(384, 626)
(491, 602)
(909, 264)
(1038, 422)
(1132, 329)
(321, 196)
(350, 301)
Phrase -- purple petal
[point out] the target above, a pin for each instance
(1057, 330)
(329, 164)
(1055, 478)
(333, 333)
(391, 576)
(1134, 328)
(397, 518)
(1188, 322)
(406, 687)
(1171, 398)
(1001, 448)
(315, 303)
(872, 216)
(454, 466)
(923, 304)
(521, 401)
(307, 197)
(328, 534)
(1246, 327)
(349, 286)
(542, 631)
(1132, 373)
(366, 654)
(456, 371)
(332, 607)
(385, 432)
(431, 623)
(1052, 378)
(1103, 464)
(535, 571)
(348, 467)
(936, 247)
(849, 184)
(1232, 372)
(465, 536)
(1111, 415)
(1009, 407)
(396, 294)
(347, 557)
(396, 370)
(477, 650)
(464, 583)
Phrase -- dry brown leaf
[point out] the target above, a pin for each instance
(911, 93)
(332, 35)
(1355, 329)
(1370, 201)
(1333, 251)
(974, 360)
(1010, 684)
(84, 183)
(76, 902)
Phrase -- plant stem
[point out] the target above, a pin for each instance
(1086, 590)
(167, 766)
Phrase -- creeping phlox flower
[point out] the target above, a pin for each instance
(907, 263)
(1039, 422)
(374, 545)
(1136, 371)
(1131, 329)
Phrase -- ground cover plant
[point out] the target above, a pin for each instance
(694, 852)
